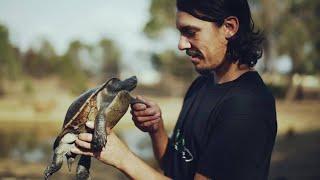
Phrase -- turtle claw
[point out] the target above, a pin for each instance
(70, 162)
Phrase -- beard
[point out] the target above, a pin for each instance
(198, 54)
(204, 71)
(207, 70)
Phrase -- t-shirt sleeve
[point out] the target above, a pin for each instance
(236, 143)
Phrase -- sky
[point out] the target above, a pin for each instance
(61, 21)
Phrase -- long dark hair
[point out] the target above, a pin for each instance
(246, 45)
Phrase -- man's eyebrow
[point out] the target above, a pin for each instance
(189, 27)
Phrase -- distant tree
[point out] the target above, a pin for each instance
(42, 62)
(162, 16)
(298, 36)
(10, 66)
(110, 58)
(70, 70)
(168, 62)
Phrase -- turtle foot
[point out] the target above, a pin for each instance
(98, 142)
(83, 172)
(51, 169)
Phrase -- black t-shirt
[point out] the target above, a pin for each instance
(224, 131)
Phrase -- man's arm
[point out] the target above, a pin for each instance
(147, 117)
(159, 143)
(135, 168)
(117, 154)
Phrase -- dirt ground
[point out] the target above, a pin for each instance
(26, 124)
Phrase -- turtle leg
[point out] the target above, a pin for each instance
(99, 138)
(70, 159)
(83, 167)
(57, 159)
(55, 165)
(61, 150)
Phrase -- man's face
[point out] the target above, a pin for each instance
(203, 41)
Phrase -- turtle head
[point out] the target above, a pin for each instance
(115, 85)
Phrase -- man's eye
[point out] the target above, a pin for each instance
(188, 33)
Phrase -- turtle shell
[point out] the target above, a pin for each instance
(84, 108)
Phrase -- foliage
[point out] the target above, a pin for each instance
(298, 35)
(69, 69)
(10, 68)
(169, 62)
(110, 58)
(41, 63)
(290, 27)
(162, 16)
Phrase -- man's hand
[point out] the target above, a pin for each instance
(114, 153)
(147, 117)
(117, 154)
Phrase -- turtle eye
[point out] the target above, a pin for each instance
(114, 85)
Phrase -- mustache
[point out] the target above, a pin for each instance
(193, 53)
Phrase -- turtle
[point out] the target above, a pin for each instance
(105, 105)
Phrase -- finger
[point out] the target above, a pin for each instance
(76, 150)
(83, 144)
(90, 124)
(138, 107)
(149, 123)
(145, 100)
(147, 112)
(145, 118)
(85, 137)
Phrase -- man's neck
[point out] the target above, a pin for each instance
(230, 72)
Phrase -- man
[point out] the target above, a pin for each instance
(227, 125)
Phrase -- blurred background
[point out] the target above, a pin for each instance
(51, 51)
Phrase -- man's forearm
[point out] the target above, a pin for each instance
(159, 142)
(135, 168)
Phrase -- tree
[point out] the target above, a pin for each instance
(111, 58)
(42, 62)
(299, 38)
(162, 16)
(70, 70)
(10, 66)
(168, 62)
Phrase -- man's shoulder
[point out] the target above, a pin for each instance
(249, 97)
(250, 90)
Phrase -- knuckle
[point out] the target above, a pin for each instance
(151, 111)
(158, 115)
(136, 113)
(138, 119)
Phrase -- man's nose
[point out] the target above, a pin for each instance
(184, 43)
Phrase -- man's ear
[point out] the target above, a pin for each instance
(231, 26)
